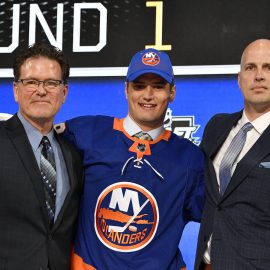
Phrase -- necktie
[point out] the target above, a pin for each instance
(231, 155)
(48, 173)
(143, 136)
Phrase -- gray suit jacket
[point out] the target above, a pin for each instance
(26, 239)
(239, 221)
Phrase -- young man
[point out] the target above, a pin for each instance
(235, 231)
(142, 183)
(40, 173)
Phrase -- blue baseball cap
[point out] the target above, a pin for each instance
(150, 61)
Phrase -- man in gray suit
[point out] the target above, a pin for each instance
(40, 173)
(235, 229)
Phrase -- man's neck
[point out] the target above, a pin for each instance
(131, 127)
(253, 112)
(42, 125)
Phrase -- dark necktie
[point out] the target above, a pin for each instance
(231, 155)
(143, 136)
(48, 173)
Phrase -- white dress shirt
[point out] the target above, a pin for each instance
(131, 127)
(259, 125)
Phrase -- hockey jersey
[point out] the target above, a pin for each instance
(138, 196)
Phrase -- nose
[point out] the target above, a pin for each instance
(40, 89)
(259, 76)
(148, 93)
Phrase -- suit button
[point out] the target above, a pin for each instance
(50, 237)
(219, 208)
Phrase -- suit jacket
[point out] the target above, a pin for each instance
(239, 221)
(26, 240)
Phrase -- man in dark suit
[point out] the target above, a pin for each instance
(235, 229)
(40, 173)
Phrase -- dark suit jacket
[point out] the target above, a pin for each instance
(26, 240)
(239, 221)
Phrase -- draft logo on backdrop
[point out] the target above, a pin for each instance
(150, 59)
(182, 126)
(126, 217)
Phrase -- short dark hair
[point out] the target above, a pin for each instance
(44, 50)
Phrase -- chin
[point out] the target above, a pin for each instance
(41, 116)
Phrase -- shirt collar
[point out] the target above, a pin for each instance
(131, 127)
(259, 124)
(34, 136)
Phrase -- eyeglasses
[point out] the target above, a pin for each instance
(32, 84)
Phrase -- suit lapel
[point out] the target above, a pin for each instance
(221, 133)
(253, 157)
(215, 140)
(18, 137)
(212, 186)
(69, 165)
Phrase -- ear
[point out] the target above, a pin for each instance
(126, 90)
(172, 93)
(15, 91)
(65, 92)
(239, 79)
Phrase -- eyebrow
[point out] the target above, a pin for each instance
(254, 64)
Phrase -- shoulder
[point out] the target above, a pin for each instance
(218, 119)
(12, 124)
(219, 122)
(219, 125)
(80, 131)
(83, 121)
(221, 118)
(87, 123)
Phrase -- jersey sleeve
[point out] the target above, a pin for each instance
(79, 132)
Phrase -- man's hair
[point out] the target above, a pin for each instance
(41, 50)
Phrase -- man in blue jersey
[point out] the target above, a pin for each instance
(142, 182)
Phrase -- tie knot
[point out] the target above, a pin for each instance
(247, 127)
(143, 136)
(45, 141)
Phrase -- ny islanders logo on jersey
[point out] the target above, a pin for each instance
(150, 59)
(126, 217)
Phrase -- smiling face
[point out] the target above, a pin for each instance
(254, 78)
(40, 106)
(148, 98)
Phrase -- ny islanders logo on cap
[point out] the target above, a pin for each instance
(126, 217)
(150, 59)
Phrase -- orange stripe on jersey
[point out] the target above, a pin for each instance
(118, 125)
(77, 263)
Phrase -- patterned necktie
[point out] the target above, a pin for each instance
(231, 155)
(48, 173)
(143, 136)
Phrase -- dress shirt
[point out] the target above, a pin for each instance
(259, 126)
(62, 179)
(131, 127)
